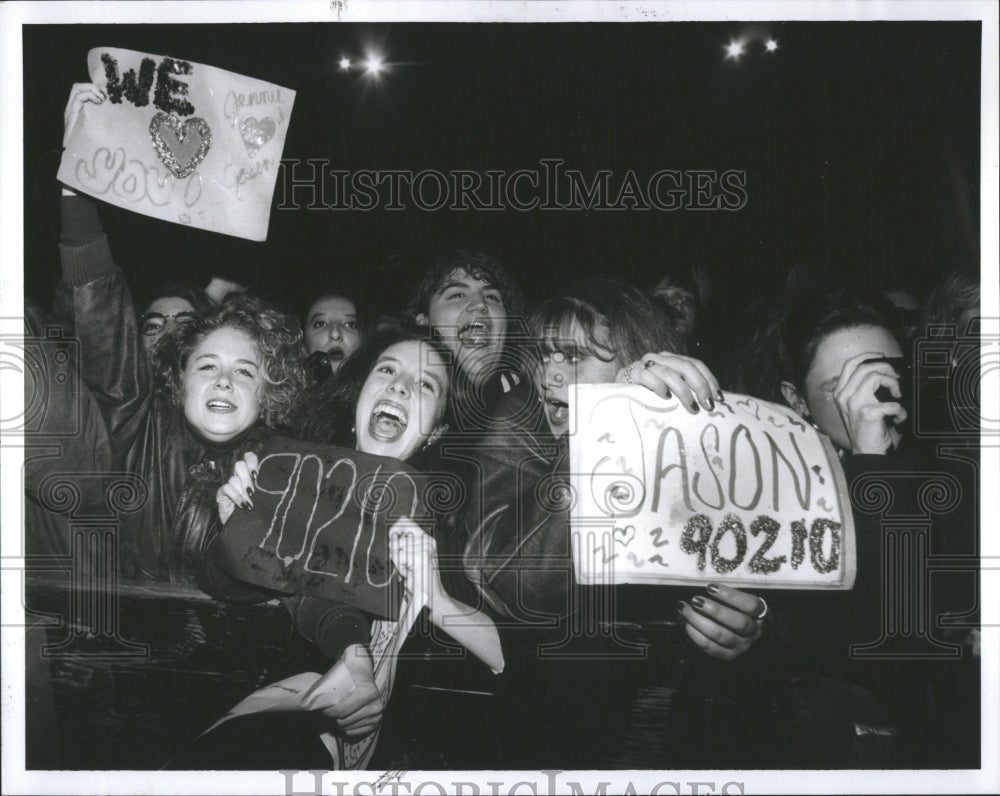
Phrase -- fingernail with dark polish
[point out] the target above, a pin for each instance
(681, 605)
(719, 396)
(250, 490)
(711, 404)
(245, 505)
(694, 407)
(698, 602)
(712, 588)
(666, 393)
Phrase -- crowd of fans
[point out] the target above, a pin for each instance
(182, 393)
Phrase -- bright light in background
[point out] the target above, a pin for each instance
(734, 50)
(373, 64)
(345, 63)
(770, 45)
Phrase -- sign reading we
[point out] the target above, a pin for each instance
(320, 524)
(179, 141)
(747, 494)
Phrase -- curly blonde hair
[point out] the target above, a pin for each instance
(276, 336)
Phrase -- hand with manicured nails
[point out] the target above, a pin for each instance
(239, 489)
(868, 421)
(725, 622)
(668, 374)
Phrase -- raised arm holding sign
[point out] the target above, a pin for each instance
(179, 141)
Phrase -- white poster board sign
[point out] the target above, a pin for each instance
(748, 494)
(179, 141)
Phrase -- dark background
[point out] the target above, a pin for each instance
(860, 142)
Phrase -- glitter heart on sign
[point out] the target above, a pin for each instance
(180, 146)
(256, 133)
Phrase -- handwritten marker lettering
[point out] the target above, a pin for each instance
(751, 497)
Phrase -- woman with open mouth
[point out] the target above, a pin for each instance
(389, 399)
(336, 325)
(225, 379)
(518, 549)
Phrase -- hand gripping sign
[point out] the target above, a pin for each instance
(179, 141)
(320, 524)
(747, 494)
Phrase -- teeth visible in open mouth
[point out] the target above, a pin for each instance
(220, 405)
(475, 332)
(389, 411)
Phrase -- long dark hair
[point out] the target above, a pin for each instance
(362, 311)
(325, 412)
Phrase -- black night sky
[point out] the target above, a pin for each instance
(860, 143)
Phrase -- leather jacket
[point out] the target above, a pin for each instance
(166, 505)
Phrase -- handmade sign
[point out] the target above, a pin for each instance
(179, 141)
(320, 523)
(748, 494)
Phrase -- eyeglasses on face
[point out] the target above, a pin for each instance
(154, 322)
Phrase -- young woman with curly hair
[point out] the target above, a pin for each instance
(226, 378)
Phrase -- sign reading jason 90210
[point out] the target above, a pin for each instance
(746, 494)
(707, 543)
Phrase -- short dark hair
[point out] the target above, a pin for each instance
(812, 317)
(276, 336)
(194, 296)
(478, 265)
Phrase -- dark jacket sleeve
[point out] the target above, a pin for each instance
(67, 448)
(516, 522)
(94, 304)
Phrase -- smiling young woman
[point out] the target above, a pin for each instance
(559, 636)
(397, 389)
